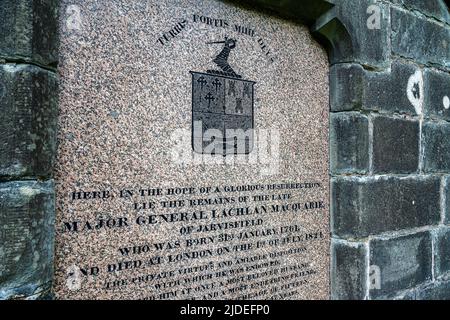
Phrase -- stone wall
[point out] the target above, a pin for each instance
(390, 151)
(28, 108)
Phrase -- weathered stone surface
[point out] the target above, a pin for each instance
(351, 39)
(365, 206)
(349, 143)
(437, 94)
(435, 291)
(437, 146)
(348, 270)
(27, 213)
(412, 37)
(404, 262)
(446, 192)
(395, 145)
(28, 105)
(442, 252)
(433, 8)
(29, 30)
(353, 88)
(346, 87)
(387, 91)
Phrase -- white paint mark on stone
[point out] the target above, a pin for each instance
(73, 22)
(415, 91)
(2, 90)
(374, 277)
(446, 102)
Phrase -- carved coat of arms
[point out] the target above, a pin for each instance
(222, 108)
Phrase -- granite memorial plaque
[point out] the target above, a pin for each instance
(193, 153)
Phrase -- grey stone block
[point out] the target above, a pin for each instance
(446, 195)
(395, 145)
(345, 33)
(437, 94)
(348, 271)
(419, 39)
(363, 206)
(436, 146)
(29, 30)
(370, 46)
(353, 88)
(435, 291)
(404, 262)
(387, 91)
(442, 252)
(432, 8)
(349, 143)
(27, 234)
(346, 87)
(28, 105)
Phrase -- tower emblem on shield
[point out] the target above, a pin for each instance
(222, 108)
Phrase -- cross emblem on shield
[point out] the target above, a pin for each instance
(222, 114)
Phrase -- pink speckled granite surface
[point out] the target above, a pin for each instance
(123, 96)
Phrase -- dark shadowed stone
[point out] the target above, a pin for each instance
(387, 91)
(365, 206)
(437, 97)
(349, 143)
(437, 146)
(442, 252)
(433, 8)
(350, 39)
(447, 200)
(29, 117)
(412, 36)
(404, 262)
(348, 270)
(29, 31)
(27, 233)
(435, 291)
(346, 87)
(395, 145)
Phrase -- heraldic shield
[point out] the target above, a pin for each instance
(222, 114)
